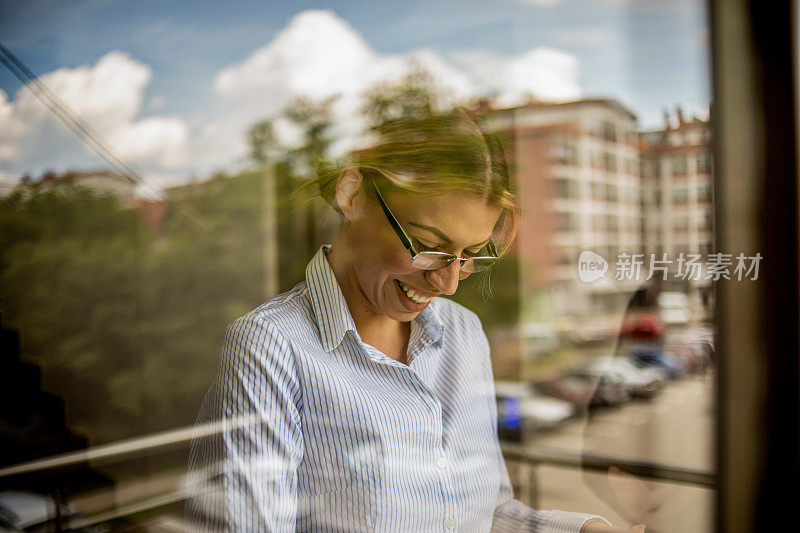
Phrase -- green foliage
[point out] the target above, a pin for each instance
(126, 320)
(260, 138)
(314, 118)
(304, 224)
(494, 294)
(413, 97)
(125, 323)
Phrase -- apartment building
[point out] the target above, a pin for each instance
(677, 186)
(577, 165)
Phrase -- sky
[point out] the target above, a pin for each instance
(172, 85)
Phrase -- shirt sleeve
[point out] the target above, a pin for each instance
(512, 515)
(248, 441)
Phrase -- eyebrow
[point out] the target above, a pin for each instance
(445, 238)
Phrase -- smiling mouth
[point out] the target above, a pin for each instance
(412, 295)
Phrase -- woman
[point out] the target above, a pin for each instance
(362, 400)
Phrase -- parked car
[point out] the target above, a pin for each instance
(694, 354)
(645, 356)
(642, 325)
(696, 344)
(640, 382)
(521, 410)
(577, 392)
(590, 335)
(582, 388)
(674, 308)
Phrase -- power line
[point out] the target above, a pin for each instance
(78, 126)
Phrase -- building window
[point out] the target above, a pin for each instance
(564, 222)
(612, 223)
(612, 193)
(609, 132)
(680, 195)
(680, 225)
(679, 166)
(704, 192)
(703, 163)
(566, 188)
(609, 162)
(566, 153)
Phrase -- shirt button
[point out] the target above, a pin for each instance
(450, 524)
(441, 462)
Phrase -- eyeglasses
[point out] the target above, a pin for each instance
(433, 260)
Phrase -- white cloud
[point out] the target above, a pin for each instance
(108, 96)
(320, 55)
(543, 72)
(317, 55)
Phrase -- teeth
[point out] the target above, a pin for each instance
(413, 295)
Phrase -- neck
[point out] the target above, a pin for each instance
(376, 329)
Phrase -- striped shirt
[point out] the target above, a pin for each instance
(315, 430)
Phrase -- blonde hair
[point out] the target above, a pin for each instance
(434, 155)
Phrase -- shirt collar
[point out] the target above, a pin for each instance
(330, 308)
(429, 323)
(331, 311)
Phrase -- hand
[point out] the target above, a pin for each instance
(597, 526)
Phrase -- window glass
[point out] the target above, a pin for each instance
(156, 184)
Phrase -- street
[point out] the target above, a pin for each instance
(674, 429)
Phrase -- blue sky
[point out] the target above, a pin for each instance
(651, 55)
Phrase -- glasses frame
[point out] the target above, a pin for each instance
(406, 240)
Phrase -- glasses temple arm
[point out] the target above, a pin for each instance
(404, 238)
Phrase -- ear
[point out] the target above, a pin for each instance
(350, 195)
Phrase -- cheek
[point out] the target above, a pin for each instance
(382, 264)
(380, 252)
(397, 263)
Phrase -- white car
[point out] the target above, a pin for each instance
(640, 382)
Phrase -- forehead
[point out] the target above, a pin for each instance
(465, 218)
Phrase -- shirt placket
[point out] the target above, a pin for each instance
(418, 344)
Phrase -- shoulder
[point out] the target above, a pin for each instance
(283, 316)
(272, 328)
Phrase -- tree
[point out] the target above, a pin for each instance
(303, 224)
(114, 314)
(261, 141)
(414, 96)
(315, 118)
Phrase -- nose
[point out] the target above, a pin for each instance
(445, 279)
